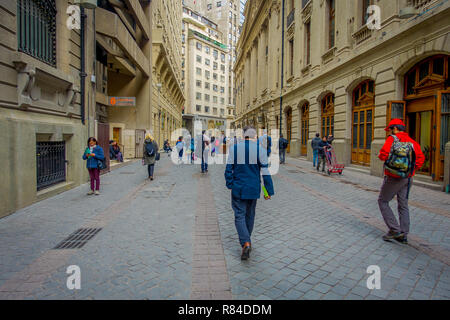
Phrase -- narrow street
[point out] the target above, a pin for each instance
(174, 238)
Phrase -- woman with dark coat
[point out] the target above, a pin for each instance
(149, 160)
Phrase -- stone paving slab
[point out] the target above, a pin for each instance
(174, 238)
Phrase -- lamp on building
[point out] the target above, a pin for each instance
(87, 4)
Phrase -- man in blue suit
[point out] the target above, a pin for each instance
(246, 162)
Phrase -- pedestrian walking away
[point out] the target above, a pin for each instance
(283, 144)
(402, 156)
(192, 147)
(180, 147)
(205, 142)
(315, 146)
(95, 158)
(266, 142)
(321, 153)
(243, 178)
(150, 154)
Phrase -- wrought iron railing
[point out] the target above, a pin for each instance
(290, 18)
(36, 29)
(50, 163)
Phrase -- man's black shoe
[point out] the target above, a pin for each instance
(246, 251)
(402, 239)
(392, 236)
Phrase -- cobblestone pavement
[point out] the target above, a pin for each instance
(174, 238)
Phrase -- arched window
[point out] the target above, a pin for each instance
(328, 115)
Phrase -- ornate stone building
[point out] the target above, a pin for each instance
(344, 77)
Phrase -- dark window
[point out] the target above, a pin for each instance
(331, 21)
(424, 70)
(36, 29)
(438, 66)
(410, 83)
(50, 163)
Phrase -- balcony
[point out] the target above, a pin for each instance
(291, 18)
(362, 34)
(418, 4)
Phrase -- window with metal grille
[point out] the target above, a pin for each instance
(36, 29)
(50, 163)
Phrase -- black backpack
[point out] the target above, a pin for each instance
(149, 149)
(101, 164)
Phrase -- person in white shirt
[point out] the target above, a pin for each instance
(205, 151)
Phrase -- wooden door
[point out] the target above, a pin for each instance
(116, 135)
(289, 129)
(305, 129)
(362, 122)
(443, 130)
(328, 115)
(103, 141)
(140, 137)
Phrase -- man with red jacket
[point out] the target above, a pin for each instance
(394, 185)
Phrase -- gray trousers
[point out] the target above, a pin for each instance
(390, 188)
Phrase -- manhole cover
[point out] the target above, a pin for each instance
(78, 239)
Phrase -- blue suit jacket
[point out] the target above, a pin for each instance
(245, 163)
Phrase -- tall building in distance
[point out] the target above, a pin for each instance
(241, 12)
(228, 16)
(204, 72)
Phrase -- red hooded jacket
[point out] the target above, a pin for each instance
(403, 137)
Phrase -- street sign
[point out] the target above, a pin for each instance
(122, 101)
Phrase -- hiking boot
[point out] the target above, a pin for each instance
(90, 193)
(392, 236)
(246, 251)
(402, 239)
(97, 193)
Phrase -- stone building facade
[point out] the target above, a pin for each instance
(345, 77)
(123, 70)
(43, 122)
(168, 95)
(205, 72)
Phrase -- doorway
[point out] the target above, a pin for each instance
(362, 122)
(426, 86)
(420, 130)
(305, 129)
(289, 128)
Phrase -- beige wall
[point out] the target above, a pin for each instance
(166, 57)
(38, 102)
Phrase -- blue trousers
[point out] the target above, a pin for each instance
(204, 163)
(315, 157)
(244, 218)
(282, 155)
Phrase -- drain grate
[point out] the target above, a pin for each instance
(78, 239)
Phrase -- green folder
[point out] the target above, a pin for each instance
(266, 194)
